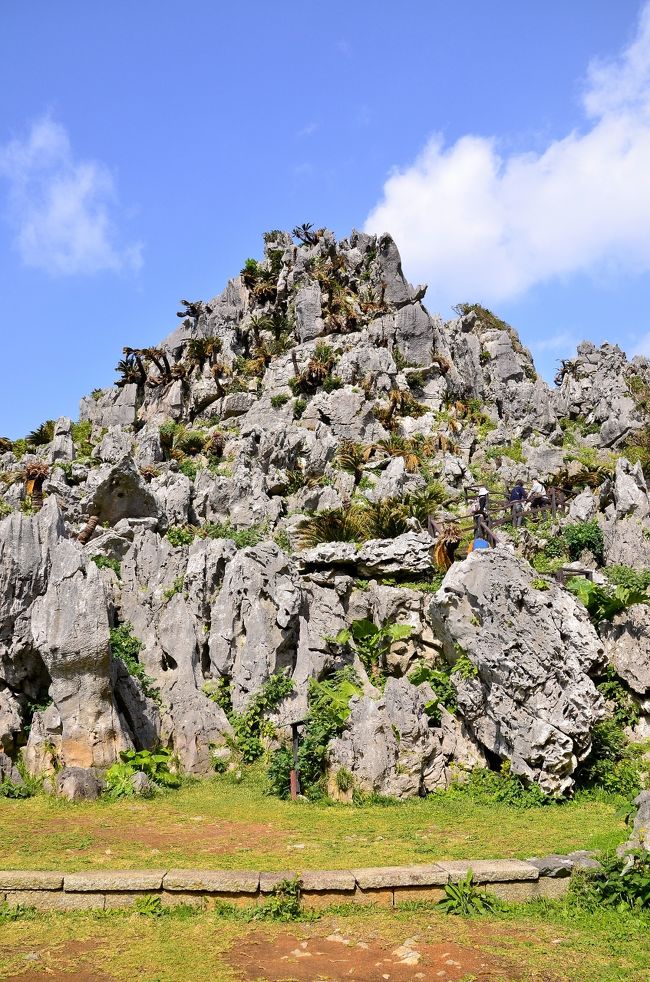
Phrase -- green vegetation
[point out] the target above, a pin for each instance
(251, 727)
(184, 535)
(372, 643)
(105, 562)
(603, 602)
(622, 883)
(126, 647)
(464, 898)
(176, 587)
(440, 680)
(156, 765)
(328, 703)
(498, 787)
(280, 400)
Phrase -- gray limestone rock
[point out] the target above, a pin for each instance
(75, 650)
(78, 784)
(627, 646)
(531, 700)
(123, 493)
(254, 625)
(62, 447)
(388, 746)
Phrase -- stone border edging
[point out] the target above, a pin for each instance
(509, 879)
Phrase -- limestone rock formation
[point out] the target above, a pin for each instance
(263, 480)
(528, 697)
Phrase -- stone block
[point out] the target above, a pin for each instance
(127, 898)
(519, 891)
(181, 897)
(489, 870)
(269, 881)
(55, 900)
(552, 887)
(212, 881)
(117, 881)
(400, 876)
(339, 880)
(16, 879)
(553, 865)
(316, 899)
(430, 894)
(382, 897)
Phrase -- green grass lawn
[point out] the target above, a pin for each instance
(536, 943)
(218, 823)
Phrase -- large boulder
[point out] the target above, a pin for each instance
(531, 700)
(123, 493)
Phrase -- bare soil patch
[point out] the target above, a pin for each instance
(339, 956)
(71, 962)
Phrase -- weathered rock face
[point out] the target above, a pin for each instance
(627, 646)
(531, 700)
(75, 650)
(253, 628)
(388, 745)
(317, 382)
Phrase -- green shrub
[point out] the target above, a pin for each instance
(9, 789)
(219, 691)
(181, 535)
(283, 904)
(81, 433)
(444, 689)
(156, 765)
(251, 726)
(614, 765)
(280, 400)
(502, 787)
(584, 535)
(633, 579)
(105, 562)
(372, 643)
(602, 602)
(299, 406)
(328, 702)
(465, 898)
(126, 647)
(188, 468)
(622, 882)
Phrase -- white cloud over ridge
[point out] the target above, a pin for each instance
(60, 207)
(478, 224)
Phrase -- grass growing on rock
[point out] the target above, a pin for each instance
(220, 823)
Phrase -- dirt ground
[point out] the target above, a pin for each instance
(338, 956)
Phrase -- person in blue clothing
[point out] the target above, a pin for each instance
(478, 543)
(517, 497)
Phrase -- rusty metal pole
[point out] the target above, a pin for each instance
(294, 780)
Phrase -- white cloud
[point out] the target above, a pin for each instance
(60, 207)
(562, 342)
(479, 224)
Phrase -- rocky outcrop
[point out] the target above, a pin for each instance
(388, 746)
(526, 694)
(317, 382)
(626, 640)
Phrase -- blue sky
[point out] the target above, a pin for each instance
(144, 148)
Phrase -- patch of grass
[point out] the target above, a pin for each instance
(556, 940)
(259, 831)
